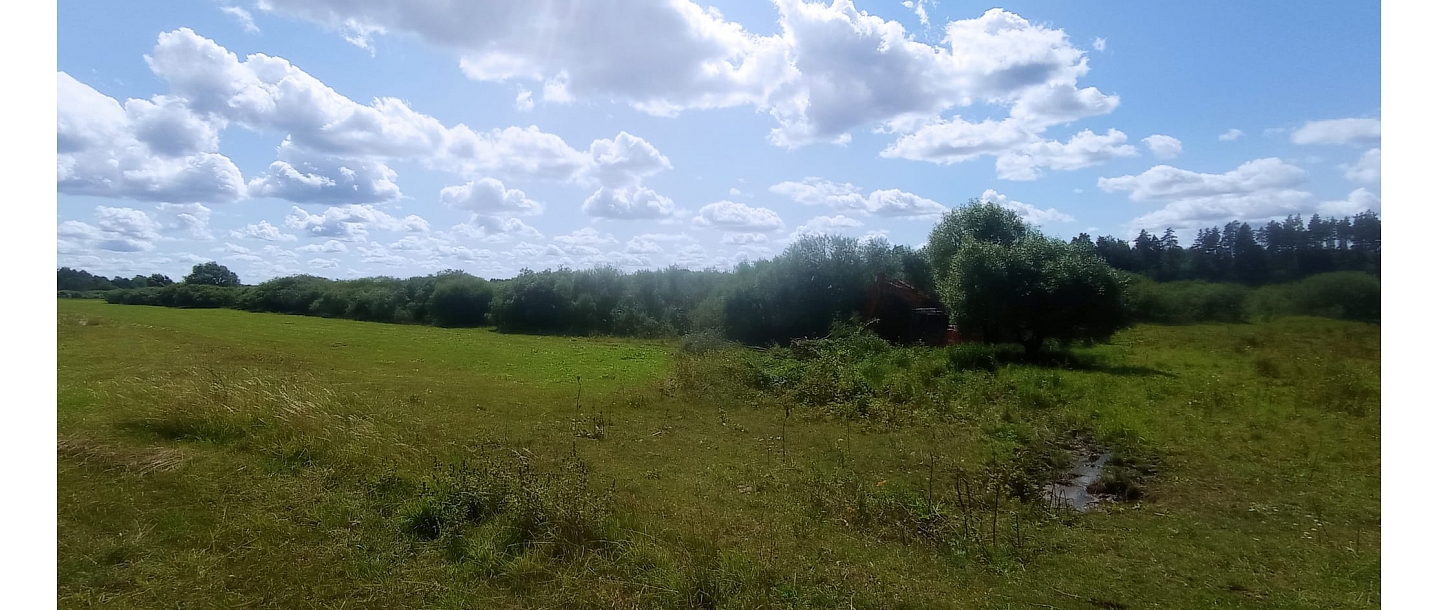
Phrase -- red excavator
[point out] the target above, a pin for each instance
(900, 313)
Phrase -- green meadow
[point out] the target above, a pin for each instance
(219, 458)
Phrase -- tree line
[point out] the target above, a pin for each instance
(1000, 280)
(78, 280)
(1279, 251)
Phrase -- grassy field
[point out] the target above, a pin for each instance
(216, 458)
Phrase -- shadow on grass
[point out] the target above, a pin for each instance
(991, 357)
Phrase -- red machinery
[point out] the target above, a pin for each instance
(901, 313)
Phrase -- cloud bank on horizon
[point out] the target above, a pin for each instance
(254, 160)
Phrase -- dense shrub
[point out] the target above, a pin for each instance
(460, 300)
(1004, 281)
(1346, 295)
(199, 296)
(79, 280)
(631, 321)
(815, 282)
(293, 295)
(535, 303)
(134, 296)
(195, 296)
(1185, 302)
(378, 299)
(1000, 280)
(82, 294)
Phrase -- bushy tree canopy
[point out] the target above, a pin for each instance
(80, 280)
(460, 299)
(1003, 281)
(212, 274)
(814, 282)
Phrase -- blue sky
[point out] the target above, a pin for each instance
(379, 137)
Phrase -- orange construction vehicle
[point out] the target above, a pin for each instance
(902, 314)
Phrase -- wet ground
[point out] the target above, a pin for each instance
(1073, 490)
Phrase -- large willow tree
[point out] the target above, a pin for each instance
(1005, 282)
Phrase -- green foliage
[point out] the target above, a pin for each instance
(377, 299)
(460, 299)
(1005, 282)
(82, 294)
(211, 274)
(554, 512)
(196, 296)
(79, 280)
(291, 295)
(535, 303)
(1278, 251)
(977, 221)
(1186, 302)
(605, 301)
(816, 281)
(1344, 295)
(1017, 285)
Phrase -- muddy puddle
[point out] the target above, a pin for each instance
(1073, 490)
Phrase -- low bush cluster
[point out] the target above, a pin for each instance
(1343, 295)
(853, 374)
(81, 294)
(552, 510)
(191, 296)
(1030, 289)
(1186, 302)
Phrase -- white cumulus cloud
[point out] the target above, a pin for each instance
(829, 69)
(189, 219)
(262, 230)
(628, 203)
(1030, 213)
(305, 177)
(1164, 182)
(352, 222)
(150, 150)
(848, 197)
(1256, 191)
(1360, 132)
(825, 225)
(1020, 153)
(1366, 169)
(1163, 146)
(1358, 201)
(489, 196)
(738, 217)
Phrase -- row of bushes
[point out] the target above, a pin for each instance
(764, 304)
(190, 296)
(1345, 295)
(445, 299)
(81, 294)
(816, 281)
(797, 294)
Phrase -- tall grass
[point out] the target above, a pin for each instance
(296, 421)
(329, 463)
